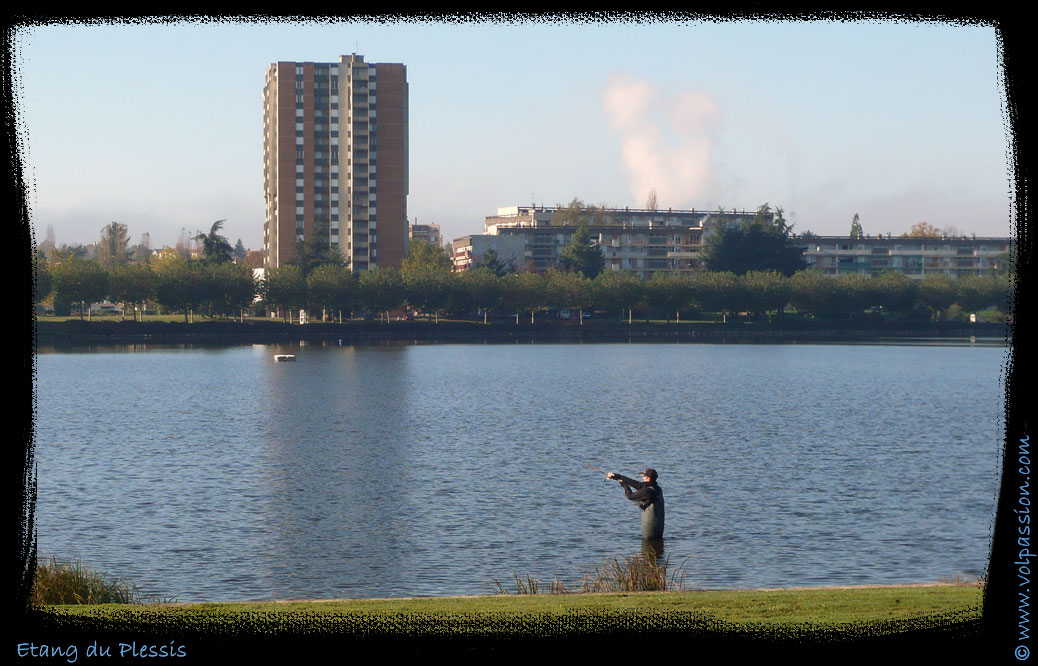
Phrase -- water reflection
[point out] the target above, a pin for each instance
(335, 451)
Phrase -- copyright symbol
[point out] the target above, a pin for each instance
(1022, 652)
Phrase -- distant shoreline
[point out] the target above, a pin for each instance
(274, 332)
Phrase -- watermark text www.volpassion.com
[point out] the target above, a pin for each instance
(1024, 555)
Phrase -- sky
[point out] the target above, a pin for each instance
(159, 127)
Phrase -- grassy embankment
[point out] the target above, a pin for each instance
(72, 590)
(826, 606)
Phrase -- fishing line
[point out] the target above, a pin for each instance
(587, 465)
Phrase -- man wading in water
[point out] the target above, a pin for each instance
(649, 497)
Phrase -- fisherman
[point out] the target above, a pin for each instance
(649, 497)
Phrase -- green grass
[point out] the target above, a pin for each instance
(637, 584)
(813, 606)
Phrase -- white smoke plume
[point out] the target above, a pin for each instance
(667, 140)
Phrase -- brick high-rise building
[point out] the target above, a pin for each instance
(335, 161)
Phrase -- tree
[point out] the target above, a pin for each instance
(766, 291)
(764, 244)
(426, 272)
(616, 291)
(972, 293)
(481, 287)
(894, 292)
(493, 262)
(252, 260)
(922, 230)
(669, 292)
(815, 294)
(131, 284)
(231, 288)
(524, 292)
(382, 290)
(578, 213)
(180, 285)
(715, 291)
(332, 287)
(41, 280)
(427, 288)
(569, 291)
(316, 250)
(80, 281)
(856, 232)
(141, 252)
(582, 254)
(423, 254)
(650, 201)
(215, 248)
(937, 292)
(184, 244)
(854, 293)
(239, 251)
(1002, 264)
(112, 248)
(59, 254)
(284, 288)
(46, 248)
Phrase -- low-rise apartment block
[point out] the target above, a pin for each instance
(470, 251)
(644, 242)
(430, 233)
(915, 257)
(640, 241)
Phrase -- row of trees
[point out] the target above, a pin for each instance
(427, 285)
(113, 247)
(175, 283)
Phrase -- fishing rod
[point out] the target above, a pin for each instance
(606, 474)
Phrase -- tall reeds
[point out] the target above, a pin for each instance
(635, 573)
(73, 583)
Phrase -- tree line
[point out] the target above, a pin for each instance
(425, 283)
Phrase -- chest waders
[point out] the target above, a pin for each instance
(653, 518)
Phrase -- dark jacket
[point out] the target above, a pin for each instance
(649, 497)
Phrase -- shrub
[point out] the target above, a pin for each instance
(73, 583)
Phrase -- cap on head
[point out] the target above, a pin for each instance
(650, 472)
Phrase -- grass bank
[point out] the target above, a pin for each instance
(816, 606)
(76, 606)
(931, 620)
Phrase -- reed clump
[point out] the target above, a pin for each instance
(635, 573)
(59, 583)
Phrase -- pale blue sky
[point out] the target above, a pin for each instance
(160, 127)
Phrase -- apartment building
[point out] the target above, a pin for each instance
(639, 241)
(915, 257)
(335, 151)
(469, 251)
(644, 242)
(430, 233)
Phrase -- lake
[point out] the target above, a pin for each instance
(215, 474)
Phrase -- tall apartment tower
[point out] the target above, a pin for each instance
(335, 161)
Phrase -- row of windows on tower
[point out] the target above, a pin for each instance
(333, 158)
(323, 103)
(322, 133)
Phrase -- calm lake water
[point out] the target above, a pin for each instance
(413, 470)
